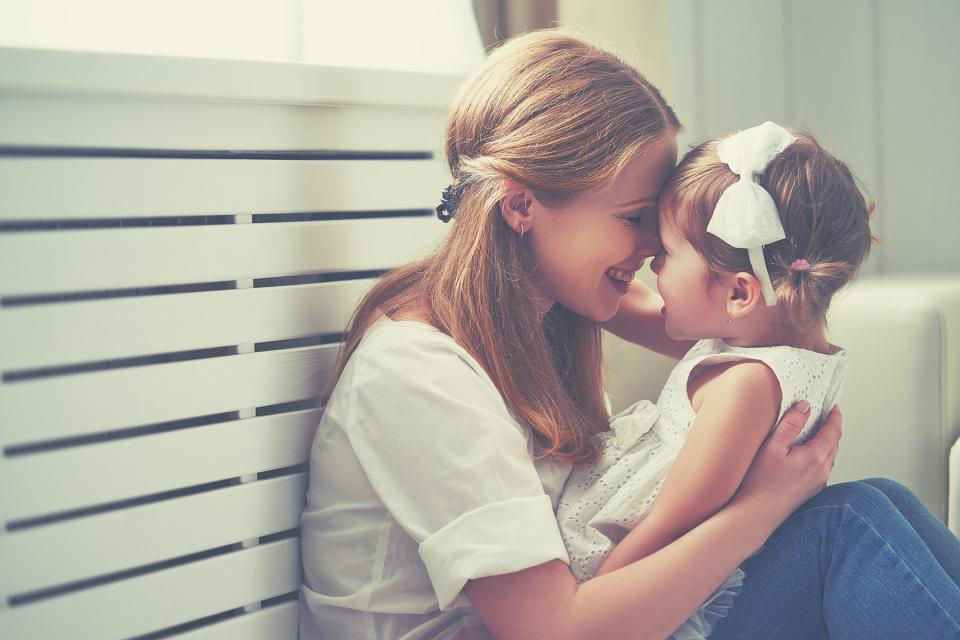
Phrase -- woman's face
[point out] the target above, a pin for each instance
(588, 250)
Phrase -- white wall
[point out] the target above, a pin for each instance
(426, 35)
(877, 81)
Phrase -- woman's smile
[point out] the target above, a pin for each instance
(621, 278)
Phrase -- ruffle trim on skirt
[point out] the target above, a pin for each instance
(701, 623)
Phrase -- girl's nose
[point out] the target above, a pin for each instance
(657, 263)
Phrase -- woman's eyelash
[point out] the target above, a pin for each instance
(638, 218)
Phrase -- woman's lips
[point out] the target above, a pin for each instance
(620, 278)
(622, 275)
(619, 285)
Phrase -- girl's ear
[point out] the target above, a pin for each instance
(516, 207)
(743, 294)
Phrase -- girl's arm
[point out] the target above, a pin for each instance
(546, 602)
(735, 404)
(639, 321)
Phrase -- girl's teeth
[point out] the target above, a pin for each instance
(620, 274)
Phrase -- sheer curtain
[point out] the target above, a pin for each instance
(500, 19)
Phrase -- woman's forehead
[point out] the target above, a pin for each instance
(645, 174)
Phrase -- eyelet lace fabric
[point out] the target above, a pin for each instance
(601, 503)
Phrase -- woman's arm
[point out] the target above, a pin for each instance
(639, 321)
(736, 404)
(546, 602)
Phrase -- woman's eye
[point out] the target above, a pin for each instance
(641, 217)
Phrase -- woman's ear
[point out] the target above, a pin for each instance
(743, 294)
(516, 207)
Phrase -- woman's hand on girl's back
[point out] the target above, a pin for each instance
(783, 476)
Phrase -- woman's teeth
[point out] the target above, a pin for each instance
(620, 274)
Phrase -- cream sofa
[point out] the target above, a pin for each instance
(901, 401)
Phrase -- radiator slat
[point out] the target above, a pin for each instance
(273, 623)
(49, 262)
(105, 543)
(89, 403)
(163, 599)
(138, 123)
(146, 187)
(56, 334)
(77, 477)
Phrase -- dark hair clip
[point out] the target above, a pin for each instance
(449, 202)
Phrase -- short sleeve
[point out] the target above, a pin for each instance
(451, 465)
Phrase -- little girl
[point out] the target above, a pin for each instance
(758, 232)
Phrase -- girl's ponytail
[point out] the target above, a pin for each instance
(826, 217)
(804, 294)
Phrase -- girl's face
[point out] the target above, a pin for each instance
(694, 303)
(588, 250)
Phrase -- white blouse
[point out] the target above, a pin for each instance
(420, 480)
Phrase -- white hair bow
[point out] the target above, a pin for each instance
(746, 216)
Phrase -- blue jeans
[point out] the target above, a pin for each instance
(860, 561)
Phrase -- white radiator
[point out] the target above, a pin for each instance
(181, 243)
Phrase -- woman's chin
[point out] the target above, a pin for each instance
(607, 311)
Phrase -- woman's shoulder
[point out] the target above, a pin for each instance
(412, 339)
(387, 333)
(408, 352)
(406, 372)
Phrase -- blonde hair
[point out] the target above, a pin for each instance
(559, 116)
(824, 212)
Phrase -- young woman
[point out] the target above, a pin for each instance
(470, 383)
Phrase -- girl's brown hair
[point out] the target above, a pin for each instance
(559, 116)
(824, 212)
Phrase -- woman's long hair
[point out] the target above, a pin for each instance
(559, 116)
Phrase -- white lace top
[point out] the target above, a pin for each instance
(600, 503)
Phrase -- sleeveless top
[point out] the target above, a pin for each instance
(602, 502)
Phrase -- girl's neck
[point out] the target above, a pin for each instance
(770, 335)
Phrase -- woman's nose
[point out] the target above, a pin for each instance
(648, 243)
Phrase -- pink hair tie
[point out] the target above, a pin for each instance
(800, 264)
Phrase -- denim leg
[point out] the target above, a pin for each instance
(847, 565)
(943, 544)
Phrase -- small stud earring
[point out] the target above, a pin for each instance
(730, 318)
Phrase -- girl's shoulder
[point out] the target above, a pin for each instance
(783, 361)
(779, 373)
(752, 380)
